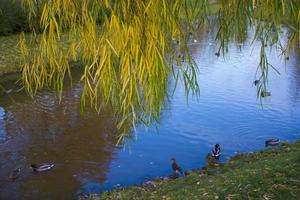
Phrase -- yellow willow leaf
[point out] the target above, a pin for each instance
(283, 7)
(72, 52)
(148, 6)
(44, 16)
(56, 28)
(111, 46)
(164, 8)
(23, 46)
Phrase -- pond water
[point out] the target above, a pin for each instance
(82, 145)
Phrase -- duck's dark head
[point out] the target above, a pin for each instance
(217, 146)
(173, 159)
(266, 143)
(34, 166)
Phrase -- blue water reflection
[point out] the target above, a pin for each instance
(227, 112)
(2, 124)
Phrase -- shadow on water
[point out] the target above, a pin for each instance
(81, 145)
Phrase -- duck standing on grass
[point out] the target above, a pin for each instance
(41, 168)
(211, 161)
(216, 152)
(177, 170)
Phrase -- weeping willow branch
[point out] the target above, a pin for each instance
(123, 45)
(235, 17)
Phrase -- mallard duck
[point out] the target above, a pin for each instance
(41, 168)
(216, 152)
(175, 167)
(211, 161)
(272, 142)
(15, 174)
(265, 94)
(256, 82)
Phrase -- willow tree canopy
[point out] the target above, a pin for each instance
(127, 46)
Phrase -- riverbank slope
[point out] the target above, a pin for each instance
(269, 174)
(9, 55)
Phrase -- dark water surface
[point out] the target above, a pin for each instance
(82, 146)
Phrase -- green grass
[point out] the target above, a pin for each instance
(9, 54)
(13, 19)
(269, 174)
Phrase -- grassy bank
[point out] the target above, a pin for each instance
(9, 54)
(269, 174)
(10, 62)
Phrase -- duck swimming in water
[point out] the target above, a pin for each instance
(216, 152)
(256, 82)
(41, 168)
(272, 142)
(176, 167)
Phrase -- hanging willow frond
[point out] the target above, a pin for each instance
(123, 45)
(126, 46)
(268, 18)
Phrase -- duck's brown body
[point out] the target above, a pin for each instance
(175, 167)
(211, 161)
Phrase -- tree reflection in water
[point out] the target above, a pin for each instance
(44, 130)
